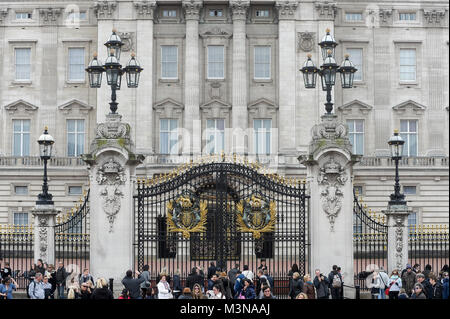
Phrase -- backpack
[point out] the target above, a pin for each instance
(28, 288)
(336, 281)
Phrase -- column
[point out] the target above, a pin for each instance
(144, 100)
(192, 79)
(329, 176)
(112, 173)
(239, 63)
(44, 234)
(397, 222)
(287, 75)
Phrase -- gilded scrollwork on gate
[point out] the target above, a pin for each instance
(187, 214)
(256, 215)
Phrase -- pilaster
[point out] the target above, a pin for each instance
(44, 235)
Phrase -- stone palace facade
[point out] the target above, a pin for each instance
(216, 71)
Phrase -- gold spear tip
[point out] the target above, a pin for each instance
(327, 30)
(95, 54)
(46, 128)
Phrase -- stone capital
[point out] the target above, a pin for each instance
(105, 9)
(3, 13)
(145, 9)
(434, 15)
(239, 9)
(50, 15)
(385, 14)
(192, 9)
(286, 9)
(326, 10)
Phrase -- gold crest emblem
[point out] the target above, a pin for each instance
(256, 215)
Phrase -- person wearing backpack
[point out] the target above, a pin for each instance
(36, 290)
(239, 284)
(335, 280)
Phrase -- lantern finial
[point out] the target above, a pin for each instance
(114, 30)
(327, 30)
(95, 54)
(396, 130)
(133, 54)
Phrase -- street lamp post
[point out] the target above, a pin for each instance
(45, 142)
(113, 70)
(328, 70)
(396, 145)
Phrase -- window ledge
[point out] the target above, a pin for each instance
(262, 80)
(162, 80)
(215, 79)
(21, 83)
(406, 84)
(75, 84)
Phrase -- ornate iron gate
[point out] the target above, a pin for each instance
(224, 212)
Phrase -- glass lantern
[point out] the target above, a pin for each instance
(133, 70)
(45, 142)
(396, 145)
(328, 71)
(95, 70)
(309, 71)
(113, 71)
(347, 71)
(114, 45)
(328, 44)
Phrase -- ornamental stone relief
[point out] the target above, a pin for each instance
(331, 178)
(42, 236)
(306, 41)
(111, 176)
(399, 224)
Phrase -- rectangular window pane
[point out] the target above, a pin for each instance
(21, 137)
(262, 62)
(168, 136)
(215, 61)
(20, 218)
(75, 137)
(76, 64)
(408, 131)
(356, 56)
(262, 13)
(407, 64)
(353, 16)
(262, 135)
(75, 190)
(21, 190)
(23, 66)
(409, 190)
(356, 135)
(169, 61)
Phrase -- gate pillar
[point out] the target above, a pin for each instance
(329, 165)
(397, 222)
(112, 164)
(44, 235)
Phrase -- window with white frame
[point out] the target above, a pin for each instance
(73, 17)
(412, 221)
(356, 135)
(407, 64)
(23, 64)
(23, 15)
(168, 136)
(216, 13)
(75, 137)
(215, 136)
(21, 190)
(21, 137)
(168, 13)
(356, 56)
(358, 189)
(169, 62)
(262, 136)
(262, 62)
(216, 56)
(408, 131)
(76, 64)
(353, 16)
(357, 225)
(409, 16)
(20, 219)
(264, 13)
(409, 190)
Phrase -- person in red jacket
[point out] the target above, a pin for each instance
(124, 294)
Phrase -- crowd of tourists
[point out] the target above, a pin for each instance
(411, 283)
(46, 282)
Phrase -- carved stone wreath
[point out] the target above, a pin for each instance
(306, 41)
(111, 175)
(331, 177)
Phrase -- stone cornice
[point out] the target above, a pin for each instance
(145, 9)
(192, 9)
(104, 9)
(326, 10)
(239, 9)
(286, 9)
(13, 107)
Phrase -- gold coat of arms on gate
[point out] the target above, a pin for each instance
(256, 215)
(186, 214)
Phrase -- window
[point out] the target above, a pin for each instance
(262, 13)
(168, 136)
(23, 15)
(407, 64)
(358, 190)
(76, 64)
(215, 136)
(23, 65)
(20, 219)
(75, 190)
(407, 16)
(357, 225)
(262, 62)
(262, 130)
(216, 62)
(409, 190)
(356, 56)
(21, 137)
(21, 190)
(353, 16)
(169, 62)
(412, 221)
(356, 135)
(169, 13)
(215, 13)
(75, 16)
(408, 131)
(75, 137)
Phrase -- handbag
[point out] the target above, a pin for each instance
(387, 289)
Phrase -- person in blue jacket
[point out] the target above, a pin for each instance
(239, 284)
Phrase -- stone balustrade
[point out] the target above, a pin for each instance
(366, 161)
